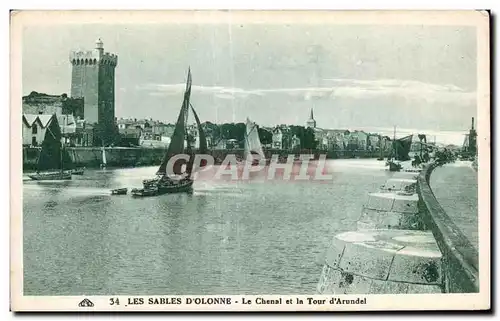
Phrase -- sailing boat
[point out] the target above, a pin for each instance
(252, 143)
(164, 183)
(400, 151)
(103, 162)
(53, 162)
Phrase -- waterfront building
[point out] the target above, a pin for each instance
(277, 138)
(67, 123)
(44, 104)
(374, 142)
(35, 127)
(130, 136)
(84, 133)
(295, 142)
(93, 79)
(358, 140)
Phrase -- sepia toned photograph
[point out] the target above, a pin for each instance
(246, 160)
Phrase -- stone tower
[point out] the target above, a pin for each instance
(311, 123)
(93, 79)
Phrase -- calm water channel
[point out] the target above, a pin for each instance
(246, 237)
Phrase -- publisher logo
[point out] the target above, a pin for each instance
(86, 303)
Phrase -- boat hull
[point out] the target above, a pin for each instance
(78, 171)
(119, 191)
(56, 176)
(394, 167)
(159, 189)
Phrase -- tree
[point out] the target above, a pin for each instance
(306, 136)
(265, 136)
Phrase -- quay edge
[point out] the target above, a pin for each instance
(403, 244)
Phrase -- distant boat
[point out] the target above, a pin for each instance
(119, 191)
(103, 158)
(163, 183)
(78, 171)
(53, 161)
(253, 145)
(400, 152)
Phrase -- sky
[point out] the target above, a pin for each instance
(376, 77)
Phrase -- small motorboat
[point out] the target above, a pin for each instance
(78, 171)
(119, 191)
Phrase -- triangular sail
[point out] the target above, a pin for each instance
(176, 145)
(103, 156)
(402, 148)
(203, 146)
(53, 155)
(252, 141)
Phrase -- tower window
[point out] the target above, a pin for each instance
(34, 129)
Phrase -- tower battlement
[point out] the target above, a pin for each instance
(93, 79)
(92, 57)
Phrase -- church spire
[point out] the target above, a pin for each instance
(311, 122)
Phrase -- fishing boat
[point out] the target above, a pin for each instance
(178, 181)
(54, 162)
(103, 158)
(400, 152)
(119, 191)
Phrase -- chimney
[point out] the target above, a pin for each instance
(472, 123)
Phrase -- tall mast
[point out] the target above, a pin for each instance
(62, 145)
(394, 149)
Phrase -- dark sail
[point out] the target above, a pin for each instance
(402, 148)
(176, 145)
(53, 155)
(203, 148)
(203, 139)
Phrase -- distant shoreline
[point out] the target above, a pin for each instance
(129, 157)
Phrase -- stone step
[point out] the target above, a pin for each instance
(393, 202)
(382, 261)
(400, 184)
(373, 219)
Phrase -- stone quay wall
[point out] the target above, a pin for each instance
(404, 243)
(140, 156)
(460, 258)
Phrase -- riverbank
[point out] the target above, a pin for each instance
(123, 157)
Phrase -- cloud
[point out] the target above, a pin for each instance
(336, 88)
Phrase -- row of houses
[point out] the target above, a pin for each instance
(332, 139)
(75, 132)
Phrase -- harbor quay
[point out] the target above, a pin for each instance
(410, 239)
(91, 157)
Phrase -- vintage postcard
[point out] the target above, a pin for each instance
(250, 160)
